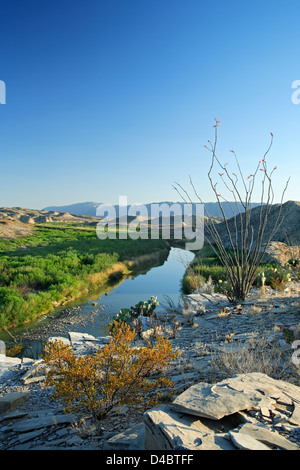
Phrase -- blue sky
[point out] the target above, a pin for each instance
(118, 97)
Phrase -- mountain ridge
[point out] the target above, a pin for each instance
(90, 208)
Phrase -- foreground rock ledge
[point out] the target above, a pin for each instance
(248, 411)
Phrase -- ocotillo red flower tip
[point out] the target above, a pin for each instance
(271, 134)
(231, 151)
(275, 167)
(219, 195)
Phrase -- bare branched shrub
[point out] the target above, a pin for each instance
(257, 355)
(188, 315)
(244, 244)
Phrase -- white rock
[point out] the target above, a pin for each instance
(245, 442)
(215, 401)
(168, 430)
(267, 437)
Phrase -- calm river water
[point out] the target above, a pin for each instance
(159, 281)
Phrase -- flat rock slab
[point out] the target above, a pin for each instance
(295, 418)
(12, 400)
(241, 392)
(9, 361)
(64, 340)
(76, 337)
(215, 401)
(229, 348)
(267, 437)
(43, 422)
(79, 337)
(167, 430)
(245, 442)
(264, 384)
(130, 439)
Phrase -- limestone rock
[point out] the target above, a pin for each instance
(267, 437)
(295, 418)
(2, 349)
(165, 430)
(280, 253)
(64, 340)
(131, 439)
(243, 409)
(43, 422)
(215, 401)
(11, 400)
(245, 442)
(34, 372)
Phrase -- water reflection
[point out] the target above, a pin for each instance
(160, 281)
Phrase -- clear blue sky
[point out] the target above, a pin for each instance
(118, 97)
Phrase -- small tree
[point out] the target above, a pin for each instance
(242, 248)
(118, 374)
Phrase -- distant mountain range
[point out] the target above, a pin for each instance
(80, 208)
(90, 208)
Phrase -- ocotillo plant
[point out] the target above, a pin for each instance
(242, 249)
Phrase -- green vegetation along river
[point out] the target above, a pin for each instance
(58, 264)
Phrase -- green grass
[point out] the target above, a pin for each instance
(207, 264)
(55, 264)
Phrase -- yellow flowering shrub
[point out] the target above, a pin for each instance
(117, 374)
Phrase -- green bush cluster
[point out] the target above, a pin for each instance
(206, 265)
(54, 265)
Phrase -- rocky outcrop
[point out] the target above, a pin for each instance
(32, 216)
(13, 228)
(288, 230)
(236, 413)
(280, 253)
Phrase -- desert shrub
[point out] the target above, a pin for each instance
(118, 374)
(247, 237)
(257, 355)
(16, 350)
(145, 308)
(191, 282)
(11, 306)
(276, 277)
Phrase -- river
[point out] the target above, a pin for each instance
(94, 314)
(160, 281)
